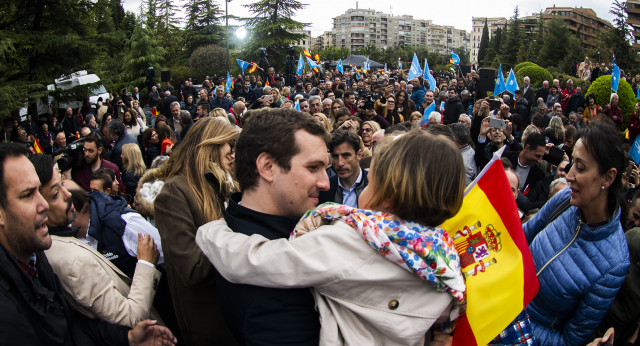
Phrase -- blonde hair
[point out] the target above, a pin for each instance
(218, 113)
(133, 161)
(374, 126)
(405, 176)
(529, 130)
(325, 122)
(198, 155)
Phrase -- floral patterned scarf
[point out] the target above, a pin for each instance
(427, 252)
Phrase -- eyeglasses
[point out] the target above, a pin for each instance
(391, 101)
(366, 130)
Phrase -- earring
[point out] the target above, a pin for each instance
(603, 187)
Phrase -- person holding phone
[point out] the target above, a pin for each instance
(492, 139)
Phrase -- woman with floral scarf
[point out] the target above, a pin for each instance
(383, 274)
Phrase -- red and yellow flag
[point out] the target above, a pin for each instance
(308, 56)
(495, 258)
(266, 83)
(253, 67)
(37, 147)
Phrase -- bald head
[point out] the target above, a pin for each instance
(238, 107)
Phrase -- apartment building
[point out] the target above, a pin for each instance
(580, 21)
(357, 28)
(476, 33)
(633, 11)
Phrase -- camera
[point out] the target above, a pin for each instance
(74, 155)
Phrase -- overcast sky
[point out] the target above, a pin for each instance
(319, 14)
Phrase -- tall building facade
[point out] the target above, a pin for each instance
(633, 11)
(476, 33)
(581, 21)
(357, 28)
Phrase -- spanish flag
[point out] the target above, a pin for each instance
(494, 254)
(309, 59)
(253, 67)
(37, 147)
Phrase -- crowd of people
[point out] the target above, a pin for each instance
(308, 212)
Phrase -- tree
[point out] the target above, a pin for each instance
(513, 41)
(617, 39)
(560, 47)
(272, 27)
(145, 51)
(484, 42)
(39, 41)
(208, 60)
(202, 27)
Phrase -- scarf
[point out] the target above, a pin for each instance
(427, 252)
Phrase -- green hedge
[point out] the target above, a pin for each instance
(602, 89)
(536, 73)
(523, 64)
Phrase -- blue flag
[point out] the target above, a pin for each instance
(385, 68)
(415, 70)
(512, 83)
(615, 77)
(428, 76)
(313, 64)
(340, 67)
(366, 67)
(455, 59)
(300, 66)
(227, 83)
(297, 106)
(427, 112)
(500, 86)
(243, 65)
(634, 152)
(399, 64)
(638, 93)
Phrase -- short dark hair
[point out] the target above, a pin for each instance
(8, 150)
(440, 129)
(107, 175)
(271, 131)
(44, 168)
(537, 120)
(204, 105)
(116, 127)
(461, 133)
(534, 140)
(93, 137)
(344, 136)
(347, 94)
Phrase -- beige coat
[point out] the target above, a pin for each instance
(363, 298)
(97, 288)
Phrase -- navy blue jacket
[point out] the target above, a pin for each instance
(334, 194)
(107, 227)
(266, 316)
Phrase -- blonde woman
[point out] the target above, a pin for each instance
(351, 257)
(323, 120)
(134, 167)
(197, 182)
(366, 133)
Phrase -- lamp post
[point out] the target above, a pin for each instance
(226, 31)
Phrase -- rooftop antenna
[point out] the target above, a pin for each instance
(391, 10)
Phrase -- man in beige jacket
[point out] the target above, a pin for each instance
(93, 285)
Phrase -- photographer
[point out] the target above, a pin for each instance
(370, 114)
(92, 162)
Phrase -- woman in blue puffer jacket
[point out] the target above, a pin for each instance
(581, 256)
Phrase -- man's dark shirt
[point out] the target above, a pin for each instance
(266, 316)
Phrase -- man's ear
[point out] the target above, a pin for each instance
(359, 155)
(108, 191)
(265, 164)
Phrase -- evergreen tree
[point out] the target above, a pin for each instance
(617, 39)
(484, 42)
(145, 51)
(496, 41)
(271, 27)
(513, 41)
(560, 47)
(202, 27)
